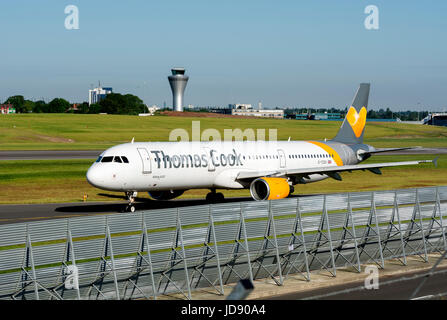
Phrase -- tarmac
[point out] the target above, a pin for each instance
(16, 213)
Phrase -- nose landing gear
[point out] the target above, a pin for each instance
(131, 200)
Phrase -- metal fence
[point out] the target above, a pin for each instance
(149, 253)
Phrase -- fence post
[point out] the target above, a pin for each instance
(246, 242)
(303, 239)
(418, 208)
(146, 240)
(438, 207)
(179, 227)
(396, 210)
(213, 231)
(334, 269)
(73, 257)
(373, 203)
(112, 259)
(359, 268)
(278, 261)
(29, 252)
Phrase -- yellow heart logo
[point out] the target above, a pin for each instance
(357, 120)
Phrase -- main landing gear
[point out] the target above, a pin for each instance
(215, 197)
(131, 200)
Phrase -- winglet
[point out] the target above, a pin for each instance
(132, 140)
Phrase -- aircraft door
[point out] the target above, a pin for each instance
(282, 158)
(211, 166)
(146, 160)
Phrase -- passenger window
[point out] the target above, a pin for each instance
(117, 159)
(125, 159)
(107, 159)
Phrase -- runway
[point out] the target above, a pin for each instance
(15, 213)
(49, 155)
(93, 154)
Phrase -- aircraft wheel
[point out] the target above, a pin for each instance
(209, 197)
(219, 197)
(292, 190)
(215, 197)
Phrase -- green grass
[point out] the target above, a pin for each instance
(45, 181)
(87, 132)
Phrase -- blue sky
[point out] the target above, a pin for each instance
(282, 53)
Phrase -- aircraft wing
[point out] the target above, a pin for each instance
(330, 171)
(387, 150)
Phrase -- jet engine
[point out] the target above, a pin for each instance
(166, 194)
(269, 188)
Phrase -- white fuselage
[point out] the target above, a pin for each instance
(155, 166)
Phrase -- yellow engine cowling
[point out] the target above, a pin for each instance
(269, 188)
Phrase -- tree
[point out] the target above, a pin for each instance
(58, 105)
(40, 107)
(94, 108)
(372, 114)
(83, 108)
(388, 114)
(28, 106)
(17, 102)
(115, 103)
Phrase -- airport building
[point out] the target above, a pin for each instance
(240, 109)
(178, 81)
(97, 94)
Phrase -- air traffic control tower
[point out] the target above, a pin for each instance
(178, 82)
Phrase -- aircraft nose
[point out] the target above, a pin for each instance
(94, 177)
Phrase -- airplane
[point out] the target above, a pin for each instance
(269, 169)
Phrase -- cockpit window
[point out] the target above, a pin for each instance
(99, 159)
(125, 159)
(107, 159)
(117, 159)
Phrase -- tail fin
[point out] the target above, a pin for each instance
(353, 127)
